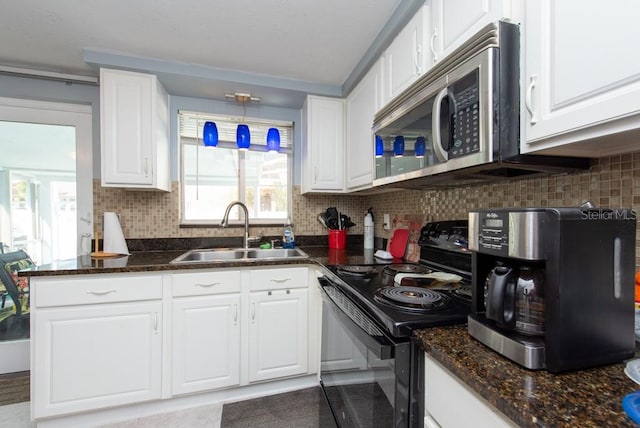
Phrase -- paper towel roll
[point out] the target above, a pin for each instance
(113, 239)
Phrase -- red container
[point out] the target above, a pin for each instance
(337, 238)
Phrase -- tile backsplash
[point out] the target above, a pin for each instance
(611, 182)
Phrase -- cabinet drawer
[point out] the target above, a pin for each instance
(269, 279)
(202, 283)
(91, 289)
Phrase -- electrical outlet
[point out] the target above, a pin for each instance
(386, 224)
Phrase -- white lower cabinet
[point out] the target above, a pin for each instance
(443, 389)
(278, 323)
(340, 350)
(278, 334)
(94, 356)
(205, 339)
(104, 343)
(206, 343)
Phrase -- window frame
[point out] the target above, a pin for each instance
(259, 147)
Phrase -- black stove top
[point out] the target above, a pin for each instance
(401, 309)
(417, 300)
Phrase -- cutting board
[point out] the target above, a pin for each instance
(398, 243)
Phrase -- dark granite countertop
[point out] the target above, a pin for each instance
(585, 398)
(149, 261)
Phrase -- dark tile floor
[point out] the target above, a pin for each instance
(306, 408)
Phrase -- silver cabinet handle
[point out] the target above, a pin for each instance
(416, 53)
(235, 314)
(146, 167)
(253, 313)
(280, 281)
(155, 323)
(432, 44)
(101, 293)
(528, 100)
(207, 285)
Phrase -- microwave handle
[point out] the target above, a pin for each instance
(438, 150)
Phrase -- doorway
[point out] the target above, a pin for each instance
(46, 197)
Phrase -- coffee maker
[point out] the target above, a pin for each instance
(553, 288)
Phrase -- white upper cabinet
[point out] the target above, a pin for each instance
(581, 77)
(134, 124)
(323, 144)
(455, 21)
(408, 56)
(361, 107)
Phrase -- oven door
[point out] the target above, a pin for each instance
(365, 374)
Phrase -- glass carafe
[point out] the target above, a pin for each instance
(529, 301)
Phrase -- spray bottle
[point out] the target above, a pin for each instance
(368, 229)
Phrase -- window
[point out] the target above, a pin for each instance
(212, 177)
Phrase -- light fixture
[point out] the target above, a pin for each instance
(420, 147)
(273, 140)
(398, 146)
(243, 137)
(210, 134)
(379, 146)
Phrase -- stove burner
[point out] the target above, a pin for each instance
(412, 298)
(463, 292)
(405, 268)
(358, 271)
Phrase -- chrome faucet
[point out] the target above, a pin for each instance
(225, 220)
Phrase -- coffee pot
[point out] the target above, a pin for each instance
(514, 298)
(552, 288)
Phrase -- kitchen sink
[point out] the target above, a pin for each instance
(239, 255)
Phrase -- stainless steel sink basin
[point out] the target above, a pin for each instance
(239, 255)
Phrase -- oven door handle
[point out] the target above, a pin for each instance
(375, 341)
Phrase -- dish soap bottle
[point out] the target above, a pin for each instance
(368, 230)
(288, 239)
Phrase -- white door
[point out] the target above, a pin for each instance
(206, 343)
(96, 356)
(46, 196)
(278, 334)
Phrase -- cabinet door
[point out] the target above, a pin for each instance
(278, 344)
(455, 21)
(442, 388)
(323, 152)
(359, 144)
(405, 57)
(579, 71)
(340, 350)
(91, 357)
(206, 343)
(134, 129)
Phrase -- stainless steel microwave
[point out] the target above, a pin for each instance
(461, 120)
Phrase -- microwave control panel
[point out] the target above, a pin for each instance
(465, 116)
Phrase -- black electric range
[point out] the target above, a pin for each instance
(372, 372)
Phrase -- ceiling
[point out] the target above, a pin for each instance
(277, 49)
